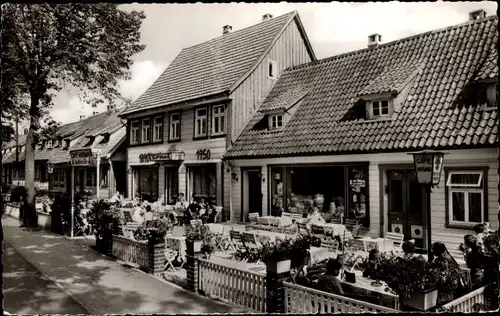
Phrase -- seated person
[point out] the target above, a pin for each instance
(314, 217)
(181, 202)
(442, 256)
(138, 216)
(373, 267)
(329, 281)
(408, 249)
(480, 232)
(149, 213)
(192, 212)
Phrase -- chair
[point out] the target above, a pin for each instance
(196, 222)
(336, 220)
(253, 218)
(237, 241)
(318, 231)
(286, 214)
(264, 221)
(330, 244)
(249, 240)
(356, 231)
(296, 217)
(170, 254)
(396, 238)
(350, 223)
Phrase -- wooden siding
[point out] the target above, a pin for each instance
(289, 50)
(455, 158)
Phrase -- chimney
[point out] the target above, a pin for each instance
(374, 40)
(111, 107)
(267, 16)
(227, 29)
(82, 117)
(477, 15)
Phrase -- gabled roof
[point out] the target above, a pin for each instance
(489, 69)
(215, 66)
(428, 118)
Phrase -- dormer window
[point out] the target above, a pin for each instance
(91, 140)
(105, 138)
(275, 121)
(67, 143)
(272, 72)
(491, 96)
(379, 108)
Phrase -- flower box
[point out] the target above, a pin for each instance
(422, 300)
(279, 267)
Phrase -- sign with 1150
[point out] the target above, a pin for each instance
(203, 154)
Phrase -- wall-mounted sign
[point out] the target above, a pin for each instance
(145, 158)
(83, 158)
(203, 154)
(357, 183)
(50, 168)
(423, 166)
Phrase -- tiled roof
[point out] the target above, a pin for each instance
(285, 100)
(213, 66)
(489, 69)
(392, 78)
(428, 117)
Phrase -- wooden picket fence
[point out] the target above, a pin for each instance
(465, 304)
(131, 251)
(242, 288)
(300, 299)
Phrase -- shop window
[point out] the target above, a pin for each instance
(218, 120)
(134, 132)
(62, 178)
(203, 181)
(200, 122)
(158, 129)
(358, 195)
(146, 184)
(172, 176)
(91, 180)
(466, 197)
(175, 126)
(277, 192)
(146, 130)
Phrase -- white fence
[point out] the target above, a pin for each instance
(242, 288)
(131, 251)
(300, 299)
(465, 304)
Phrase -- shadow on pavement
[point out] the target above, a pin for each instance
(99, 283)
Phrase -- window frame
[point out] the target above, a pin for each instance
(104, 175)
(136, 130)
(482, 188)
(218, 116)
(491, 96)
(158, 127)
(148, 134)
(196, 118)
(170, 127)
(275, 72)
(379, 108)
(271, 120)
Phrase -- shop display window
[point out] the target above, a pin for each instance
(146, 184)
(204, 181)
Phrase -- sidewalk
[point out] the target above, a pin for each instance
(100, 284)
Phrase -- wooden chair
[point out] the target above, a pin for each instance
(396, 238)
(170, 254)
(295, 217)
(356, 231)
(286, 214)
(336, 220)
(195, 222)
(350, 224)
(249, 240)
(253, 218)
(237, 241)
(318, 231)
(330, 244)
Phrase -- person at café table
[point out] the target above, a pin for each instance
(442, 256)
(314, 216)
(373, 267)
(193, 211)
(138, 216)
(329, 281)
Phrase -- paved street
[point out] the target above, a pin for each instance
(27, 291)
(100, 284)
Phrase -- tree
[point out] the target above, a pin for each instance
(47, 47)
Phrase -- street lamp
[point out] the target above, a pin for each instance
(428, 165)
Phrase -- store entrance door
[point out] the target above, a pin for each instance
(405, 200)
(254, 194)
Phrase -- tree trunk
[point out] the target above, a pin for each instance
(30, 216)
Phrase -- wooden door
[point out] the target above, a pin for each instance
(405, 212)
(254, 192)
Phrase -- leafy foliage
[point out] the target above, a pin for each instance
(50, 47)
(154, 231)
(18, 194)
(102, 215)
(196, 232)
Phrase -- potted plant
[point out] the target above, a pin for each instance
(194, 237)
(208, 244)
(418, 282)
(278, 256)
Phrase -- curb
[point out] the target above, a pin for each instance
(59, 285)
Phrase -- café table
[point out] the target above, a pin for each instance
(177, 243)
(382, 244)
(283, 220)
(261, 235)
(215, 228)
(259, 268)
(318, 254)
(334, 229)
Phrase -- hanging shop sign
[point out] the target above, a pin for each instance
(148, 157)
(83, 158)
(203, 154)
(50, 168)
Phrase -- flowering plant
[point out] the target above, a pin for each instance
(153, 231)
(196, 232)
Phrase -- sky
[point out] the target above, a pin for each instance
(332, 28)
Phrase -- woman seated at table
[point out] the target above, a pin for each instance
(442, 256)
(193, 211)
(329, 281)
(373, 267)
(408, 249)
(138, 216)
(149, 213)
(314, 216)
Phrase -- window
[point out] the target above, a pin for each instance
(380, 108)
(37, 173)
(272, 69)
(134, 132)
(158, 129)
(200, 122)
(91, 181)
(491, 96)
(175, 126)
(218, 120)
(104, 176)
(62, 178)
(146, 130)
(465, 197)
(203, 181)
(276, 121)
